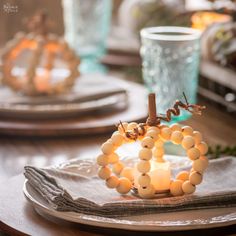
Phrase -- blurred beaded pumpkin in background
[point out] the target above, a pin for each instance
(39, 63)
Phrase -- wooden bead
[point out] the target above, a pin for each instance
(183, 175)
(195, 178)
(199, 165)
(141, 132)
(132, 126)
(104, 172)
(197, 137)
(202, 147)
(145, 154)
(147, 142)
(128, 172)
(175, 127)
(193, 153)
(176, 137)
(107, 148)
(146, 192)
(159, 143)
(144, 180)
(124, 186)
(128, 140)
(143, 166)
(188, 188)
(103, 160)
(176, 188)
(109, 141)
(166, 133)
(154, 128)
(187, 130)
(158, 152)
(188, 142)
(117, 139)
(112, 182)
(117, 168)
(113, 158)
(205, 159)
(152, 134)
(120, 128)
(163, 126)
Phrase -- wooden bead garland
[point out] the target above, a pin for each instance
(152, 142)
(152, 136)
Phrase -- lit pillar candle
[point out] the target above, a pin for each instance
(160, 175)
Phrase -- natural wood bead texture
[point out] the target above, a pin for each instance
(152, 140)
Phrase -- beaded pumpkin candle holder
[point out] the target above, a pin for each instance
(152, 174)
(28, 61)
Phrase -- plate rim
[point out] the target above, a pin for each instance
(67, 109)
(106, 222)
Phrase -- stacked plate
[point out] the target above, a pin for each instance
(90, 93)
(96, 101)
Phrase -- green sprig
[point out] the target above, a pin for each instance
(218, 151)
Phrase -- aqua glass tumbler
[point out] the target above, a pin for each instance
(87, 24)
(170, 64)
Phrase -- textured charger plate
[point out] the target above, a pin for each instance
(171, 221)
(99, 121)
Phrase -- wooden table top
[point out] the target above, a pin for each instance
(17, 217)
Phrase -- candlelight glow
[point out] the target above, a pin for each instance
(160, 174)
(201, 20)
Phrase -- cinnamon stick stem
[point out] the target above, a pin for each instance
(152, 109)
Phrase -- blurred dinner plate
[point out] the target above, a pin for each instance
(90, 93)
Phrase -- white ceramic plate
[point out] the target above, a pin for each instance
(171, 221)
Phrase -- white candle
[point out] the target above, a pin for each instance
(160, 175)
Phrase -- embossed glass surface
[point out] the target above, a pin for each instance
(170, 65)
(87, 25)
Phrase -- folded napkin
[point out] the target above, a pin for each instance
(68, 191)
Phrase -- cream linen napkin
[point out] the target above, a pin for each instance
(73, 192)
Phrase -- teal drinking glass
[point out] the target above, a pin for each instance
(170, 62)
(87, 24)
